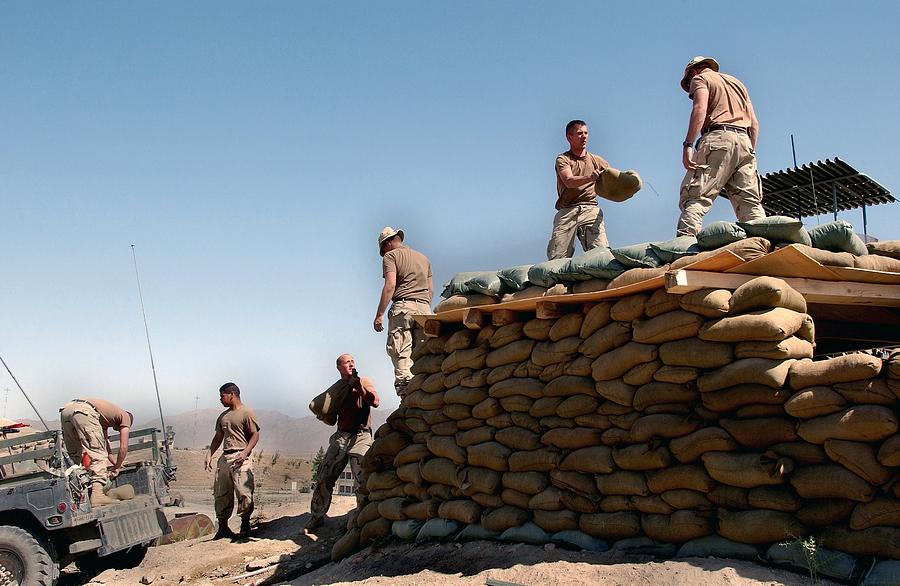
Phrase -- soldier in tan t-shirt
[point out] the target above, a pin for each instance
(725, 156)
(85, 424)
(237, 431)
(408, 286)
(577, 212)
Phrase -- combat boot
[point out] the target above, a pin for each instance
(223, 532)
(98, 499)
(245, 527)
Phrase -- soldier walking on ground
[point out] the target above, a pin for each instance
(725, 155)
(237, 431)
(408, 286)
(85, 424)
(351, 441)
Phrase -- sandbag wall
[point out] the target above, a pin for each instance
(670, 417)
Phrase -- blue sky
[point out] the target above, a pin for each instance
(253, 151)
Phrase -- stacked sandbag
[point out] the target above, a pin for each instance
(698, 420)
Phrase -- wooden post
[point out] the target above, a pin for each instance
(549, 310)
(473, 318)
(432, 328)
(502, 317)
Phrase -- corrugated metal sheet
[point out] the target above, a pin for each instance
(789, 192)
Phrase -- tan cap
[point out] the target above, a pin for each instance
(386, 233)
(713, 64)
(618, 186)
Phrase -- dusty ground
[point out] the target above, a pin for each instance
(284, 556)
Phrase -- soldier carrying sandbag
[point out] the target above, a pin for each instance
(351, 441)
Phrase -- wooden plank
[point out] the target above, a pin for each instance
(785, 262)
(432, 328)
(549, 309)
(473, 318)
(815, 291)
(866, 275)
(502, 317)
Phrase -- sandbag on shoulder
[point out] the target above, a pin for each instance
(766, 292)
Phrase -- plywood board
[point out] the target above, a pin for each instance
(786, 262)
(866, 275)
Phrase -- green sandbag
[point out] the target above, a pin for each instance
(645, 546)
(528, 533)
(719, 234)
(476, 532)
(675, 248)
(457, 285)
(826, 562)
(574, 539)
(545, 274)
(514, 278)
(837, 236)
(595, 263)
(485, 283)
(637, 256)
(406, 530)
(778, 229)
(438, 529)
(884, 573)
(716, 546)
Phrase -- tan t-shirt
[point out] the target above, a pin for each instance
(413, 272)
(584, 194)
(237, 426)
(111, 416)
(729, 102)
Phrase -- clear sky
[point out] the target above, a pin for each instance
(252, 152)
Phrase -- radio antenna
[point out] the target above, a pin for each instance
(27, 398)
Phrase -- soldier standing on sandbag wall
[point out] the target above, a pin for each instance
(351, 441)
(237, 431)
(725, 155)
(85, 424)
(408, 285)
(577, 213)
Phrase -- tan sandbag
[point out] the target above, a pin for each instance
(859, 423)
(606, 338)
(576, 482)
(624, 420)
(761, 371)
(487, 408)
(858, 458)
(775, 498)
(623, 482)
(446, 447)
(660, 302)
(492, 455)
(571, 439)
(679, 478)
(637, 275)
(769, 324)
(876, 262)
(792, 347)
(738, 396)
(417, 381)
(616, 504)
(678, 375)
(881, 511)
(747, 249)
(848, 367)
(566, 326)
(595, 420)
(534, 460)
(662, 425)
(501, 421)
(439, 471)
(326, 405)
(759, 433)
(581, 366)
(442, 492)
(530, 292)
(444, 428)
(464, 511)
(596, 317)
(686, 499)
(470, 423)
(382, 480)
(678, 527)
(674, 325)
(461, 301)
(814, 402)
(464, 396)
(759, 527)
(490, 501)
(577, 405)
(548, 373)
(346, 545)
(824, 512)
(538, 329)
(653, 504)
(512, 353)
(567, 386)
(730, 497)
(459, 340)
(800, 452)
(411, 453)
(642, 373)
(429, 364)
(577, 502)
(472, 480)
(707, 302)
(888, 248)
(478, 435)
(889, 452)
(825, 481)
(765, 292)
(611, 526)
(525, 482)
(434, 383)
(696, 353)
(641, 457)
(556, 521)
(615, 437)
(507, 334)
(517, 438)
(124, 492)
(475, 380)
(617, 362)
(708, 439)
(516, 403)
(392, 509)
(410, 473)
(547, 353)
(593, 459)
(589, 286)
(616, 391)
(657, 393)
(501, 519)
(548, 499)
(826, 257)
(630, 308)
(471, 358)
(874, 391)
(545, 406)
(526, 387)
(455, 379)
(374, 530)
(875, 541)
(746, 470)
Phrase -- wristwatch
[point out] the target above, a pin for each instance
(687, 144)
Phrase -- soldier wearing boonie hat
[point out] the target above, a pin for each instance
(725, 155)
(408, 287)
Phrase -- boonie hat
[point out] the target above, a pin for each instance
(713, 64)
(616, 185)
(386, 233)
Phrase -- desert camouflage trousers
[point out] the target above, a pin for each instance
(582, 221)
(82, 433)
(343, 446)
(403, 333)
(233, 481)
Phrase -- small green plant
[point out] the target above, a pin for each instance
(317, 463)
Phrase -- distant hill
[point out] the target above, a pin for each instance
(295, 436)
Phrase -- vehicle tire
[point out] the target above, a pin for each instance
(92, 564)
(25, 560)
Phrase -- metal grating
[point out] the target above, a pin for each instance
(838, 187)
